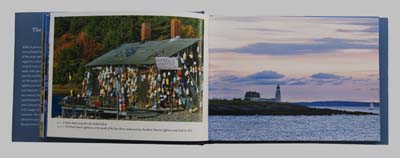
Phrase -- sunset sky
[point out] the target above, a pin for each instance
(312, 58)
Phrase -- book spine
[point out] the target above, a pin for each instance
(44, 73)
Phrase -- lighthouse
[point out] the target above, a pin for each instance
(278, 93)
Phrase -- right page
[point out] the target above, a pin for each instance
(297, 79)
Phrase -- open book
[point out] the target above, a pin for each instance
(149, 76)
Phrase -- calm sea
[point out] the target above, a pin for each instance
(297, 128)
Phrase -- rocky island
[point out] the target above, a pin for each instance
(244, 107)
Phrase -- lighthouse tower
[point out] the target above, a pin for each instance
(278, 93)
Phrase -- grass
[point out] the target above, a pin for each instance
(63, 90)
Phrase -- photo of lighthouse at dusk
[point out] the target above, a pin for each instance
(275, 78)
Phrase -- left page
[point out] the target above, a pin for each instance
(128, 76)
(30, 37)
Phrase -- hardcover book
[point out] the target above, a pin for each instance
(164, 77)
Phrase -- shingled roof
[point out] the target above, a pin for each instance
(142, 53)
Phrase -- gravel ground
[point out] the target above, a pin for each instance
(179, 116)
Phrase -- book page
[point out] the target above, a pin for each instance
(298, 79)
(28, 60)
(128, 76)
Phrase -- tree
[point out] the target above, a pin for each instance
(79, 40)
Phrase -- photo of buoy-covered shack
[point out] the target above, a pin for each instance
(157, 80)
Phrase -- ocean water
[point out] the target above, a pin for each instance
(296, 128)
(56, 109)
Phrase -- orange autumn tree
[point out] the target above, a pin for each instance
(65, 41)
(89, 47)
(188, 31)
(71, 54)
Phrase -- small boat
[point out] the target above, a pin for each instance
(371, 106)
